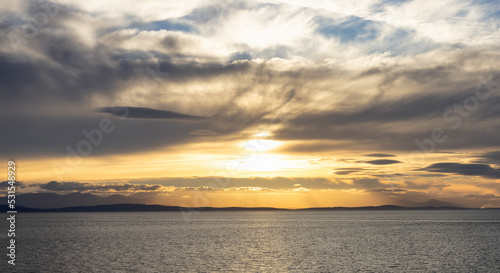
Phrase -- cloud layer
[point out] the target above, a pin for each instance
(372, 82)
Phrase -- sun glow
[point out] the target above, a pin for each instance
(262, 162)
(260, 145)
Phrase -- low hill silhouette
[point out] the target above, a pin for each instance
(142, 207)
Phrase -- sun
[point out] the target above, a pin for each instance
(257, 156)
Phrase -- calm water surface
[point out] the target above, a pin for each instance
(278, 241)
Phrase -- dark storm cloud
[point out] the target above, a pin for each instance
(382, 162)
(82, 187)
(483, 170)
(145, 113)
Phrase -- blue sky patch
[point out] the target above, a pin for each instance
(164, 25)
(354, 29)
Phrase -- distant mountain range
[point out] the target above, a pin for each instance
(430, 203)
(142, 207)
(54, 200)
(73, 202)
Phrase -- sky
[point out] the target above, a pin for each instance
(287, 104)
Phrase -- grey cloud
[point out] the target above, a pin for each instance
(430, 175)
(363, 127)
(37, 136)
(264, 182)
(407, 108)
(200, 188)
(346, 171)
(83, 187)
(145, 113)
(424, 186)
(98, 71)
(5, 184)
(275, 183)
(483, 170)
(368, 183)
(390, 191)
(73, 73)
(212, 183)
(488, 197)
(404, 118)
(69, 70)
(490, 157)
(389, 175)
(380, 155)
(216, 12)
(382, 162)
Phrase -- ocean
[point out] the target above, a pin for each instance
(257, 241)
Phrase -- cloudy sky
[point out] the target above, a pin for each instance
(254, 103)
